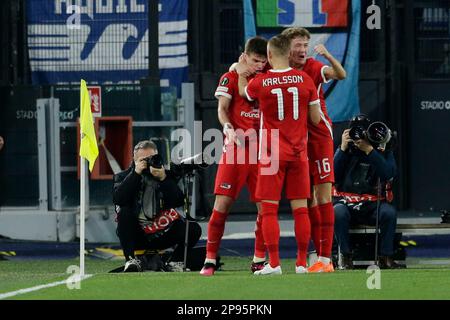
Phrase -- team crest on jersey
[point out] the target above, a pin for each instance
(226, 186)
(224, 81)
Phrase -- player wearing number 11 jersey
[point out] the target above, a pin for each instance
(286, 98)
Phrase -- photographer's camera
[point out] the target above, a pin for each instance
(376, 133)
(357, 133)
(154, 161)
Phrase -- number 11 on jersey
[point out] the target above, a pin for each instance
(279, 93)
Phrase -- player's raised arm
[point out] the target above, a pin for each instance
(336, 71)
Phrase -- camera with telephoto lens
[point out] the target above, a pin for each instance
(188, 165)
(358, 127)
(357, 133)
(377, 133)
(154, 161)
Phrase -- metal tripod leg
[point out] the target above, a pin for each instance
(186, 182)
(186, 237)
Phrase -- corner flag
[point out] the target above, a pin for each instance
(88, 146)
(89, 151)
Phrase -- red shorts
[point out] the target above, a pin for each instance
(293, 175)
(321, 157)
(232, 175)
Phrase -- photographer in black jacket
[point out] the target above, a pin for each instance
(146, 197)
(362, 160)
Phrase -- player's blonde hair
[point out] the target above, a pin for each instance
(280, 45)
(296, 32)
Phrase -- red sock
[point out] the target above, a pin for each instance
(302, 227)
(216, 226)
(314, 217)
(327, 228)
(260, 248)
(271, 231)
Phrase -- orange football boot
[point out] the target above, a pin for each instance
(319, 266)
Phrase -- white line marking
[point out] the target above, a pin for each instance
(36, 288)
(249, 235)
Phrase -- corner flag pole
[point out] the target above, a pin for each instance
(83, 175)
(88, 151)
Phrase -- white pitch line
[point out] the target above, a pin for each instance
(249, 235)
(36, 288)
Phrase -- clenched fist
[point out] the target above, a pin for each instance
(320, 49)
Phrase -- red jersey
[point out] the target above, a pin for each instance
(315, 69)
(243, 114)
(284, 97)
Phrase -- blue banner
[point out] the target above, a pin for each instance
(249, 20)
(343, 100)
(104, 41)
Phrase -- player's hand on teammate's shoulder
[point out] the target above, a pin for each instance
(321, 49)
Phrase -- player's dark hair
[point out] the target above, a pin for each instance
(296, 32)
(256, 45)
(280, 45)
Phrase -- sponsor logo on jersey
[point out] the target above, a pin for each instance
(252, 114)
(226, 186)
(224, 81)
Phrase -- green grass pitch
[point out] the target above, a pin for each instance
(235, 282)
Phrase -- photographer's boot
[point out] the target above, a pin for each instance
(387, 262)
(347, 262)
(133, 265)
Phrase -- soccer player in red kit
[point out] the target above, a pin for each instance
(286, 99)
(320, 145)
(238, 164)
